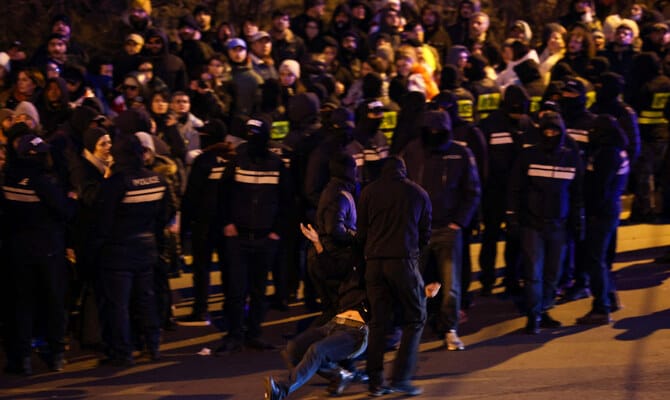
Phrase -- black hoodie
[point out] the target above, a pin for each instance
(168, 67)
(394, 215)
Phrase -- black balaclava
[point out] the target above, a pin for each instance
(372, 85)
(258, 136)
(341, 126)
(450, 78)
(343, 166)
(551, 120)
(435, 128)
(573, 106)
(474, 70)
(516, 100)
(447, 101)
(611, 86)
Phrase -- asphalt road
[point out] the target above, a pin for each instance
(628, 360)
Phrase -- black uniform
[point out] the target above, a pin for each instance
(201, 207)
(648, 95)
(447, 171)
(36, 210)
(133, 210)
(545, 199)
(504, 136)
(605, 180)
(258, 200)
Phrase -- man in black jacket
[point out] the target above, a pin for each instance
(201, 209)
(254, 216)
(133, 210)
(545, 200)
(36, 210)
(447, 171)
(394, 224)
(336, 224)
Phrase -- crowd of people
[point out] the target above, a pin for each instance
(395, 137)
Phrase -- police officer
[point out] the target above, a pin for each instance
(504, 130)
(447, 171)
(484, 89)
(605, 180)
(469, 135)
(579, 122)
(36, 210)
(133, 210)
(648, 93)
(545, 200)
(254, 216)
(201, 207)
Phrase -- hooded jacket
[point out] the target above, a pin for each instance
(607, 169)
(504, 136)
(336, 213)
(608, 102)
(394, 215)
(448, 173)
(168, 67)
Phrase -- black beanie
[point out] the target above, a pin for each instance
(91, 137)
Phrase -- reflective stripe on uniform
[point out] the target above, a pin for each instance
(20, 195)
(501, 138)
(376, 154)
(579, 135)
(256, 177)
(551, 171)
(144, 195)
(216, 173)
(648, 117)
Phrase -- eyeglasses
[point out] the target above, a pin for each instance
(129, 87)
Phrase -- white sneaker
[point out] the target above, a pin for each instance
(453, 341)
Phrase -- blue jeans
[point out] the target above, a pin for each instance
(542, 254)
(319, 346)
(599, 233)
(445, 252)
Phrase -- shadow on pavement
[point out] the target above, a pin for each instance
(641, 276)
(642, 326)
